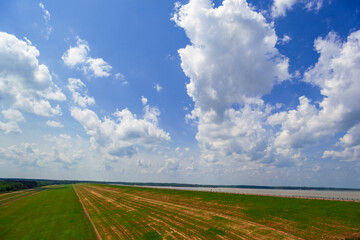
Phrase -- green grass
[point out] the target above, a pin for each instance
(13, 194)
(308, 218)
(55, 213)
(151, 236)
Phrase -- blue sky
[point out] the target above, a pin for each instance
(198, 91)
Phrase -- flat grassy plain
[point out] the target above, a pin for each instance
(121, 212)
(50, 213)
(7, 197)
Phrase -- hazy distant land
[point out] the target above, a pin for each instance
(84, 210)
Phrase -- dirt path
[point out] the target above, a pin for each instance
(87, 214)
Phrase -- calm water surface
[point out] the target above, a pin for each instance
(339, 195)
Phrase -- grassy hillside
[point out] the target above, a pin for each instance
(54, 213)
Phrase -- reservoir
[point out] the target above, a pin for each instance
(320, 194)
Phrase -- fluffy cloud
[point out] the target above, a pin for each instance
(231, 62)
(352, 137)
(24, 83)
(337, 75)
(23, 154)
(54, 124)
(76, 86)
(349, 146)
(171, 165)
(78, 57)
(232, 58)
(240, 136)
(121, 77)
(65, 151)
(280, 7)
(97, 67)
(122, 133)
(13, 115)
(285, 39)
(348, 154)
(144, 100)
(10, 127)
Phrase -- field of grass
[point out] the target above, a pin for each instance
(6, 196)
(121, 212)
(50, 213)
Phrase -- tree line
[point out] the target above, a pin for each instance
(15, 185)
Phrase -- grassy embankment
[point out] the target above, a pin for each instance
(145, 213)
(54, 213)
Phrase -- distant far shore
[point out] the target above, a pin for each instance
(187, 185)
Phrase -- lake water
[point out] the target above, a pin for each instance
(321, 194)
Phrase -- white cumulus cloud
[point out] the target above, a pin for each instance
(144, 100)
(76, 86)
(10, 127)
(78, 57)
(285, 39)
(171, 165)
(232, 61)
(232, 57)
(337, 75)
(54, 124)
(122, 133)
(280, 7)
(24, 83)
(22, 154)
(352, 136)
(65, 151)
(13, 115)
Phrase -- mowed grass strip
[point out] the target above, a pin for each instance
(192, 222)
(54, 213)
(180, 214)
(121, 215)
(306, 218)
(122, 221)
(6, 194)
(13, 195)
